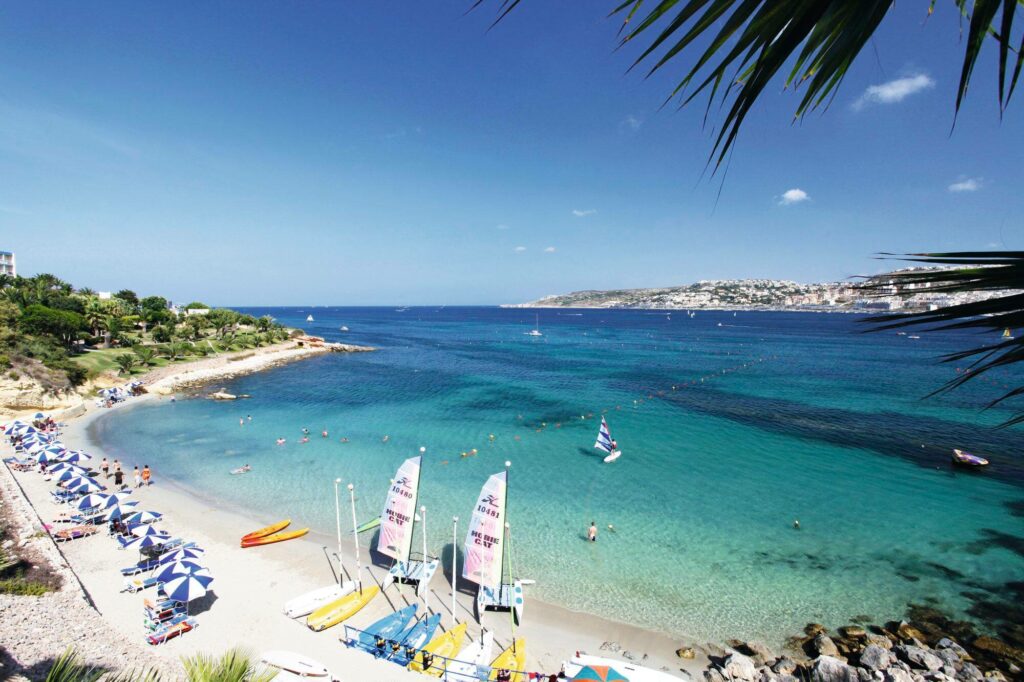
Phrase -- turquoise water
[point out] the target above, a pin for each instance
(773, 417)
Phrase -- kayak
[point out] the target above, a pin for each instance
(276, 537)
(471, 662)
(295, 663)
(433, 658)
(334, 612)
(307, 603)
(387, 628)
(273, 528)
(512, 659)
(415, 637)
(368, 525)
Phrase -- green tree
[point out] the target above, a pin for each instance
(264, 323)
(146, 354)
(194, 325)
(9, 314)
(62, 325)
(162, 334)
(126, 362)
(94, 315)
(196, 305)
(129, 297)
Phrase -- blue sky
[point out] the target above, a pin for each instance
(400, 153)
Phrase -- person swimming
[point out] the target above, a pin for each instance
(323, 434)
(305, 439)
(385, 439)
(280, 441)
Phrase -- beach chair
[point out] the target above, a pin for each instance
(161, 603)
(139, 584)
(170, 632)
(73, 533)
(151, 622)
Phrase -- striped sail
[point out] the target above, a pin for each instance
(396, 521)
(604, 437)
(486, 534)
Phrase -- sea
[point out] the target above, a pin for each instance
(733, 427)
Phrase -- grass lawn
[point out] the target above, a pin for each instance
(105, 359)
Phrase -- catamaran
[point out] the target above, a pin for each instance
(605, 442)
(397, 523)
(486, 552)
(536, 330)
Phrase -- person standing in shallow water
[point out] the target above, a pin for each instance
(592, 533)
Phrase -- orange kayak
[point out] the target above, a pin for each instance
(269, 530)
(276, 537)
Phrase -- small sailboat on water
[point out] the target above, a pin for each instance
(309, 318)
(536, 330)
(605, 442)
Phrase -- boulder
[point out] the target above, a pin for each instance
(907, 632)
(829, 669)
(919, 658)
(949, 657)
(897, 675)
(784, 666)
(739, 667)
(946, 644)
(761, 654)
(686, 652)
(813, 629)
(999, 650)
(853, 632)
(713, 675)
(824, 646)
(969, 672)
(875, 658)
(879, 640)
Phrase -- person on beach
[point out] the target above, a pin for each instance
(105, 468)
(117, 468)
(118, 478)
(137, 476)
(147, 475)
(592, 532)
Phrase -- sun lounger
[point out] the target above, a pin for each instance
(73, 533)
(163, 619)
(161, 603)
(139, 584)
(151, 563)
(172, 631)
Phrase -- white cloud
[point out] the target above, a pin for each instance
(966, 185)
(632, 123)
(550, 249)
(583, 213)
(793, 196)
(895, 90)
(520, 249)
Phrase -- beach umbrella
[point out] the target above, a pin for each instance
(61, 467)
(75, 456)
(168, 572)
(68, 474)
(40, 415)
(141, 516)
(119, 510)
(83, 484)
(185, 588)
(147, 541)
(599, 673)
(117, 498)
(145, 531)
(92, 501)
(182, 553)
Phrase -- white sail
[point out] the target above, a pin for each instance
(396, 521)
(486, 536)
(604, 437)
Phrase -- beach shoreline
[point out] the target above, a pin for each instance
(243, 613)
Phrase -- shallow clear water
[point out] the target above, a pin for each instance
(798, 416)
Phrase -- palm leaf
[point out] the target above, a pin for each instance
(69, 668)
(235, 665)
(1000, 273)
(750, 42)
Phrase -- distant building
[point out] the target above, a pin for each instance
(7, 266)
(104, 295)
(196, 311)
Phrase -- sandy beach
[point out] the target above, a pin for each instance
(251, 585)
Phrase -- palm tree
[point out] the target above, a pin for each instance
(748, 44)
(126, 362)
(146, 354)
(69, 667)
(94, 316)
(235, 665)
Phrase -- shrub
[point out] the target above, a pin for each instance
(5, 361)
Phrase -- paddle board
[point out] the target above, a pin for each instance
(307, 603)
(334, 612)
(368, 525)
(433, 658)
(415, 637)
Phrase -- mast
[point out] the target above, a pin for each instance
(355, 537)
(506, 554)
(337, 520)
(455, 560)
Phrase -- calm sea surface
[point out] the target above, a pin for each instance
(730, 426)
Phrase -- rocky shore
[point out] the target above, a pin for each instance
(919, 650)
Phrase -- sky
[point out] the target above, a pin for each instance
(322, 153)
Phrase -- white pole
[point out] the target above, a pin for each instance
(455, 574)
(355, 537)
(423, 583)
(337, 519)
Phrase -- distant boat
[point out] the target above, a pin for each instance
(901, 333)
(1007, 336)
(536, 330)
(719, 324)
(344, 329)
(913, 337)
(605, 442)
(309, 318)
(964, 458)
(400, 310)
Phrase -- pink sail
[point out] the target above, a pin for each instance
(396, 521)
(484, 541)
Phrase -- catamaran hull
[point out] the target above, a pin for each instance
(472, 662)
(416, 573)
(507, 598)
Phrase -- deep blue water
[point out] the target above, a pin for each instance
(731, 428)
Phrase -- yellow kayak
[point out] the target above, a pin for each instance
(272, 528)
(512, 659)
(438, 651)
(275, 537)
(338, 610)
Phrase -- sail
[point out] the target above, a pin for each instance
(604, 437)
(484, 541)
(396, 521)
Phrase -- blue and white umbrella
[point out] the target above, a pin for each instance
(75, 456)
(117, 498)
(118, 511)
(185, 588)
(182, 553)
(40, 415)
(174, 569)
(83, 484)
(68, 474)
(146, 531)
(142, 516)
(61, 467)
(92, 501)
(147, 541)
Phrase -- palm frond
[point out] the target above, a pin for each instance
(1000, 273)
(69, 667)
(235, 665)
(751, 42)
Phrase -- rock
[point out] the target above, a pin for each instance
(897, 675)
(829, 669)
(853, 632)
(917, 657)
(787, 678)
(875, 658)
(999, 650)
(765, 674)
(879, 640)
(995, 675)
(948, 656)
(969, 672)
(685, 652)
(947, 643)
(761, 654)
(813, 629)
(739, 667)
(906, 632)
(824, 646)
(784, 666)
(713, 675)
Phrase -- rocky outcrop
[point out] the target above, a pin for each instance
(829, 669)
(25, 394)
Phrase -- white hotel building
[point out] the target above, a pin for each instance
(7, 264)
